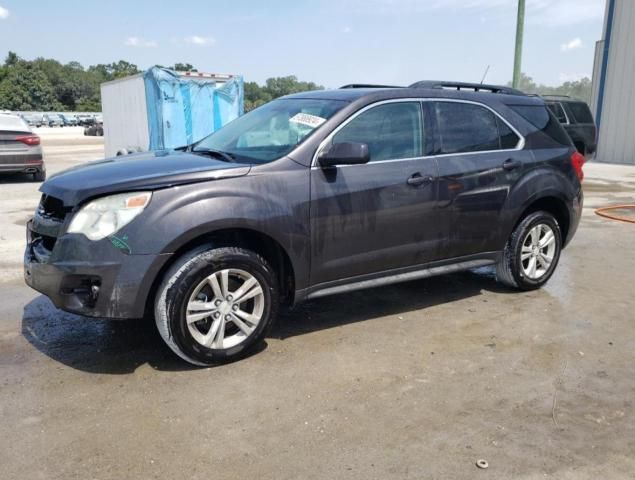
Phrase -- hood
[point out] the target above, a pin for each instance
(149, 170)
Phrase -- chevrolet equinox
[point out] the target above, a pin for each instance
(312, 194)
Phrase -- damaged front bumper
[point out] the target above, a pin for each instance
(97, 279)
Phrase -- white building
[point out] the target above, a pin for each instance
(613, 100)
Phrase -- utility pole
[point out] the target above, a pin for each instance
(518, 53)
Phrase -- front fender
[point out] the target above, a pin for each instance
(273, 202)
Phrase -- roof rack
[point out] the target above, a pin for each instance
(554, 96)
(368, 85)
(475, 87)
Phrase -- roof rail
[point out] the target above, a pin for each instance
(554, 96)
(475, 87)
(368, 85)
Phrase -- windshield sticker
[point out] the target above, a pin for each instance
(307, 119)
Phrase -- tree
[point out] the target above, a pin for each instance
(580, 89)
(26, 87)
(280, 86)
(122, 69)
(12, 59)
(184, 67)
(255, 95)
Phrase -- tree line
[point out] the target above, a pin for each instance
(45, 84)
(580, 89)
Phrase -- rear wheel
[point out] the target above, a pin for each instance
(216, 304)
(531, 253)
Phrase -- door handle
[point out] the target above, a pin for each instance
(511, 164)
(417, 179)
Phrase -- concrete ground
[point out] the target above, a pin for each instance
(418, 380)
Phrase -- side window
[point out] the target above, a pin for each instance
(465, 127)
(558, 111)
(392, 131)
(508, 139)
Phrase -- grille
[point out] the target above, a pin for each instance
(51, 207)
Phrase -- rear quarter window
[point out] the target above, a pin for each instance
(541, 118)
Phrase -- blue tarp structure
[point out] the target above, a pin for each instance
(183, 110)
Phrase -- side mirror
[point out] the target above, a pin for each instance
(347, 153)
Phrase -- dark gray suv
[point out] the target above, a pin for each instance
(312, 194)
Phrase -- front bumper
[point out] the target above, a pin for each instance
(89, 278)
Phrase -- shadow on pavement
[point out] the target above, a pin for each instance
(13, 178)
(375, 303)
(120, 347)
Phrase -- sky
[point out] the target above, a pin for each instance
(330, 42)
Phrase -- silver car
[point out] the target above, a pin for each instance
(20, 149)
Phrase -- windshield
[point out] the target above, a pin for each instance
(271, 131)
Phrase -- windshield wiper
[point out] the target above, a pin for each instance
(227, 157)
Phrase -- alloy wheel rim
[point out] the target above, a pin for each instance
(538, 250)
(225, 308)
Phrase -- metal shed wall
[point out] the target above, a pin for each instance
(614, 98)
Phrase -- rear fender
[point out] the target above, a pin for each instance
(538, 183)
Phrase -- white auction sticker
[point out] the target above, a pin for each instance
(307, 119)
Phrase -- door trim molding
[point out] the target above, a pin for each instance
(398, 275)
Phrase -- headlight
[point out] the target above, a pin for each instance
(107, 215)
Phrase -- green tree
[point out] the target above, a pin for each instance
(122, 69)
(46, 84)
(184, 67)
(255, 95)
(280, 86)
(580, 89)
(26, 87)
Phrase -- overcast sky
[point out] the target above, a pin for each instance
(329, 42)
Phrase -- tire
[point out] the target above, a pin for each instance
(514, 269)
(210, 340)
(39, 176)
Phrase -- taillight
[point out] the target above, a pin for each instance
(30, 140)
(577, 160)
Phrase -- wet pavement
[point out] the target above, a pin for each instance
(417, 380)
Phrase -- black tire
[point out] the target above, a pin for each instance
(509, 269)
(39, 176)
(180, 283)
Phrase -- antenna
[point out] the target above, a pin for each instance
(485, 75)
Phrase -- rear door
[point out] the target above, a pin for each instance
(381, 215)
(480, 157)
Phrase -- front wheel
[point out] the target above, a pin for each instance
(531, 253)
(215, 304)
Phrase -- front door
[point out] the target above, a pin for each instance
(381, 215)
